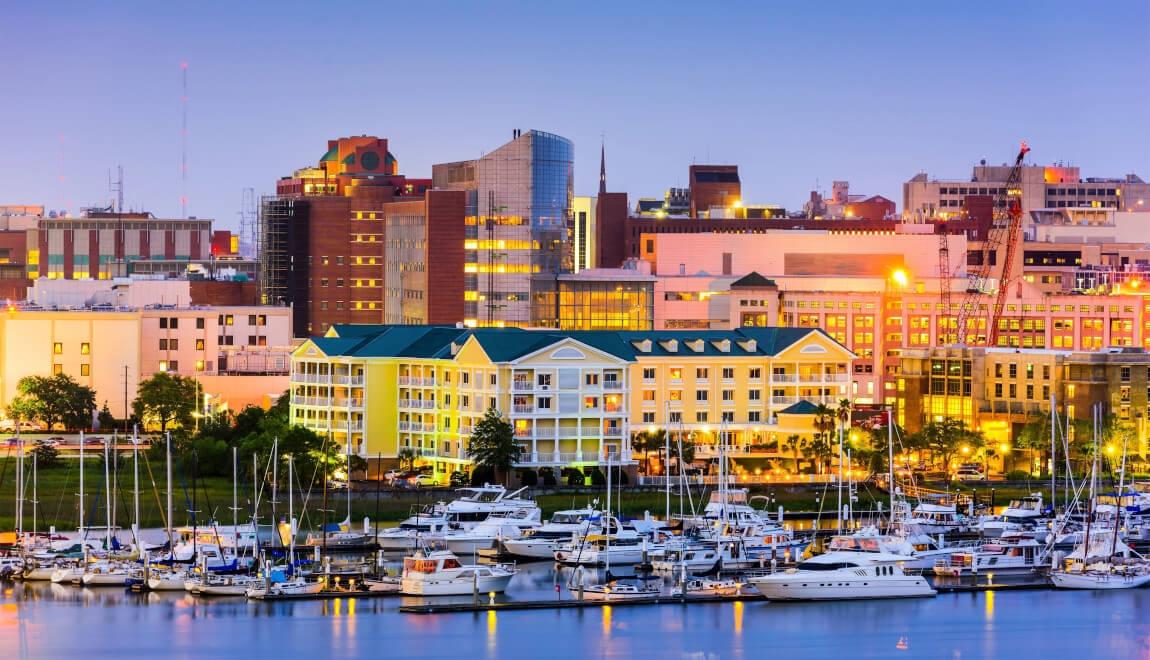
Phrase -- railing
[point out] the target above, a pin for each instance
(523, 408)
(738, 480)
(613, 432)
(612, 385)
(343, 426)
(349, 380)
(311, 400)
(417, 381)
(784, 400)
(523, 433)
(348, 403)
(784, 378)
(322, 379)
(522, 386)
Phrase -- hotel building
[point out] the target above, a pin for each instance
(570, 396)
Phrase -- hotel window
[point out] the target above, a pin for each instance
(163, 323)
(85, 369)
(1013, 371)
(701, 417)
(729, 416)
(998, 390)
(648, 418)
(590, 402)
(58, 348)
(754, 417)
(85, 348)
(728, 395)
(494, 380)
(1030, 392)
(675, 395)
(251, 319)
(174, 344)
(173, 323)
(755, 395)
(466, 377)
(649, 396)
(200, 323)
(57, 369)
(1125, 374)
(591, 380)
(543, 403)
(163, 344)
(755, 374)
(676, 373)
(648, 374)
(464, 401)
(728, 373)
(251, 340)
(701, 373)
(163, 365)
(701, 395)
(544, 380)
(199, 365)
(491, 403)
(1013, 391)
(199, 344)
(676, 417)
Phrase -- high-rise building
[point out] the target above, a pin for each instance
(325, 246)
(518, 226)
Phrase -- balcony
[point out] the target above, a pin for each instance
(613, 432)
(524, 433)
(349, 380)
(322, 379)
(416, 381)
(348, 403)
(612, 385)
(522, 386)
(344, 426)
(784, 378)
(523, 408)
(784, 400)
(311, 400)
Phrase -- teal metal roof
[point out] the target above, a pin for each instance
(803, 407)
(507, 344)
(331, 155)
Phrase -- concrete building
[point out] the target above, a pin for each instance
(571, 397)
(519, 224)
(583, 235)
(599, 299)
(1050, 186)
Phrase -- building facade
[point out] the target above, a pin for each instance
(571, 397)
(518, 227)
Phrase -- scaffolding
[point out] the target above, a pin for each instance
(275, 216)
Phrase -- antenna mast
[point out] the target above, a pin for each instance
(184, 140)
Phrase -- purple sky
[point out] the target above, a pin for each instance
(791, 92)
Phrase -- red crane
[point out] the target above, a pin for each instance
(1005, 230)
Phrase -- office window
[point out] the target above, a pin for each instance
(199, 344)
(58, 348)
(200, 323)
(57, 369)
(701, 395)
(85, 369)
(85, 348)
(648, 418)
(701, 417)
(163, 322)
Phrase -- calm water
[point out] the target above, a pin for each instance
(52, 621)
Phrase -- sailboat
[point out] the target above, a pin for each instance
(1095, 563)
(612, 589)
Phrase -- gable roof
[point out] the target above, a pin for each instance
(802, 407)
(752, 280)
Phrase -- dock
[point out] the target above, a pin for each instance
(453, 608)
(325, 595)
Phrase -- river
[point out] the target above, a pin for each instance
(39, 620)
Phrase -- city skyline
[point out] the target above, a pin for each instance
(794, 107)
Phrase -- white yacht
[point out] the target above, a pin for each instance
(225, 585)
(104, 574)
(440, 573)
(488, 533)
(541, 542)
(1021, 556)
(843, 576)
(477, 503)
(427, 523)
(691, 558)
(166, 579)
(295, 586)
(617, 590)
(708, 587)
(1108, 564)
(1019, 515)
(624, 546)
(927, 518)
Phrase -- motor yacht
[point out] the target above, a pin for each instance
(620, 548)
(843, 576)
(225, 585)
(931, 519)
(476, 504)
(623, 589)
(708, 587)
(424, 524)
(1019, 556)
(541, 542)
(487, 534)
(1021, 514)
(440, 573)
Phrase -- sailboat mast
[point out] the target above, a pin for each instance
(1053, 455)
(291, 515)
(840, 484)
(107, 500)
(1118, 507)
(667, 455)
(81, 527)
(19, 485)
(136, 487)
(348, 451)
(35, 495)
(608, 520)
(168, 469)
(890, 457)
(235, 498)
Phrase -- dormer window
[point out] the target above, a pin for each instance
(670, 345)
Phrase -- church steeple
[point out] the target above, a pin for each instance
(602, 168)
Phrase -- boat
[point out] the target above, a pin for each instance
(541, 542)
(104, 574)
(843, 578)
(67, 573)
(440, 573)
(277, 585)
(479, 502)
(425, 524)
(388, 584)
(11, 566)
(932, 519)
(693, 557)
(487, 534)
(1101, 575)
(623, 589)
(225, 585)
(708, 587)
(620, 548)
(1021, 514)
(166, 579)
(1020, 556)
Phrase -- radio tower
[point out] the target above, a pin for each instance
(184, 140)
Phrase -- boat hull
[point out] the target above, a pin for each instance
(830, 586)
(455, 586)
(1098, 581)
(166, 583)
(530, 549)
(111, 579)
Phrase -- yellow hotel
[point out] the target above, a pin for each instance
(572, 397)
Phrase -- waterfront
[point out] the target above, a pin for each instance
(40, 620)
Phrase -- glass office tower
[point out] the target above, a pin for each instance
(519, 222)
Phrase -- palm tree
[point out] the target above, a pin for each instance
(843, 415)
(794, 443)
(648, 441)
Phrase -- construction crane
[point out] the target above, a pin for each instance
(1005, 230)
(944, 282)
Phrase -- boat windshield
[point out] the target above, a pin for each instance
(568, 518)
(413, 565)
(816, 566)
(854, 543)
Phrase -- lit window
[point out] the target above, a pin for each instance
(85, 369)
(85, 348)
(58, 348)
(57, 369)
(163, 365)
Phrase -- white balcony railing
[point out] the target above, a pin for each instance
(322, 379)
(311, 400)
(349, 380)
(612, 385)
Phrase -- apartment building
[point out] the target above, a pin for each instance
(572, 397)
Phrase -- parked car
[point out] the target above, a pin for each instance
(51, 442)
(94, 441)
(424, 481)
(12, 442)
(459, 479)
(392, 474)
(336, 484)
(969, 474)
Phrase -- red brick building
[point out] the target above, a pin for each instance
(324, 241)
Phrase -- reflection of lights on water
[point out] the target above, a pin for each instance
(738, 617)
(989, 605)
(607, 620)
(492, 645)
(903, 644)
(337, 607)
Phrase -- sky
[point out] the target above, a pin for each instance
(795, 93)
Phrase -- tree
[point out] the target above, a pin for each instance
(821, 448)
(649, 441)
(947, 438)
(105, 419)
(407, 456)
(46, 455)
(53, 400)
(166, 399)
(794, 443)
(493, 444)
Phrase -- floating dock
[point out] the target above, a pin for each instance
(325, 595)
(450, 608)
